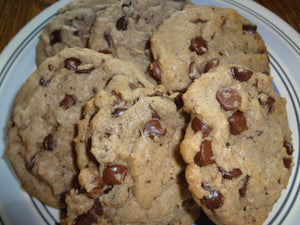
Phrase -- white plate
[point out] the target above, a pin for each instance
(17, 62)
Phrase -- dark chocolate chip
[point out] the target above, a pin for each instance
(214, 200)
(243, 189)
(287, 162)
(228, 98)
(198, 45)
(87, 70)
(289, 147)
(68, 101)
(44, 82)
(118, 112)
(250, 28)
(241, 74)
(154, 113)
(199, 21)
(153, 128)
(231, 174)
(50, 67)
(122, 23)
(55, 37)
(269, 102)
(156, 69)
(211, 64)
(178, 101)
(105, 51)
(72, 63)
(197, 125)
(114, 174)
(49, 143)
(237, 123)
(85, 219)
(108, 38)
(205, 155)
(133, 86)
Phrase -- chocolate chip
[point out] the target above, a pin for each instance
(118, 112)
(153, 128)
(89, 217)
(211, 64)
(108, 38)
(205, 155)
(72, 63)
(199, 21)
(86, 70)
(50, 67)
(105, 51)
(114, 174)
(236, 172)
(237, 123)
(48, 143)
(85, 219)
(287, 162)
(76, 33)
(156, 69)
(250, 28)
(178, 101)
(214, 200)
(241, 74)
(197, 125)
(122, 23)
(44, 82)
(154, 113)
(289, 147)
(55, 37)
(269, 102)
(68, 101)
(228, 98)
(191, 69)
(243, 189)
(133, 86)
(198, 45)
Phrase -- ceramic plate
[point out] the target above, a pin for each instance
(17, 62)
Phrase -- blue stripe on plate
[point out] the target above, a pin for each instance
(39, 211)
(297, 118)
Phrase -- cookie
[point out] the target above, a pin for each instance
(199, 38)
(237, 146)
(124, 30)
(70, 27)
(129, 138)
(45, 114)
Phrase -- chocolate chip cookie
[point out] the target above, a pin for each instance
(133, 172)
(238, 146)
(124, 30)
(70, 27)
(45, 114)
(199, 38)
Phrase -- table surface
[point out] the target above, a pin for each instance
(14, 14)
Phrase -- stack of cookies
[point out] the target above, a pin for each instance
(151, 112)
